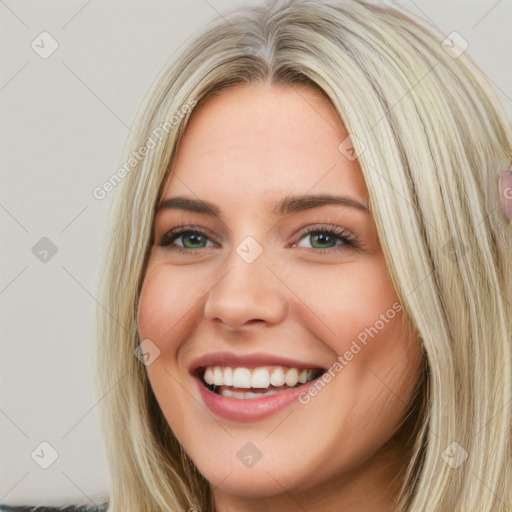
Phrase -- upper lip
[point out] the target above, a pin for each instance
(253, 360)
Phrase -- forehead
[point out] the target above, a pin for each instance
(264, 140)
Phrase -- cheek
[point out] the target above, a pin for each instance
(355, 311)
(165, 315)
(349, 300)
(166, 300)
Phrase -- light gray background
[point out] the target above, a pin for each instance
(65, 119)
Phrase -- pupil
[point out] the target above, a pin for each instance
(194, 243)
(323, 238)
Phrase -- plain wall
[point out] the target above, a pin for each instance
(65, 119)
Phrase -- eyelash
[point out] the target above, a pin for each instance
(347, 238)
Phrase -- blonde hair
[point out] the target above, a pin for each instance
(431, 140)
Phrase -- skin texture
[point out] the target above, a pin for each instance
(244, 151)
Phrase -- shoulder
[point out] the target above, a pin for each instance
(34, 508)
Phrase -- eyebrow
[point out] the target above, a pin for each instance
(290, 204)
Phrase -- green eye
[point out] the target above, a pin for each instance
(326, 238)
(322, 239)
(191, 239)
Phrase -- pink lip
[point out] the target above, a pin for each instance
(248, 361)
(254, 409)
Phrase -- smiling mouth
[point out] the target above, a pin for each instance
(249, 383)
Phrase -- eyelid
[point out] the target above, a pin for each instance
(177, 231)
(331, 229)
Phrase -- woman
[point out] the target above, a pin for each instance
(307, 288)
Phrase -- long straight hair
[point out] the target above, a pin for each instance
(431, 138)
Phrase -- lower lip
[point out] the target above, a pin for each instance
(250, 409)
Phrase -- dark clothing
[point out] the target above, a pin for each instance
(34, 508)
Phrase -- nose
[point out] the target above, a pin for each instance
(247, 294)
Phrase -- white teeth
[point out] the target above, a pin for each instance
(208, 375)
(241, 378)
(247, 395)
(218, 376)
(228, 376)
(258, 378)
(292, 377)
(277, 378)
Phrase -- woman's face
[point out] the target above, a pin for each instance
(275, 275)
